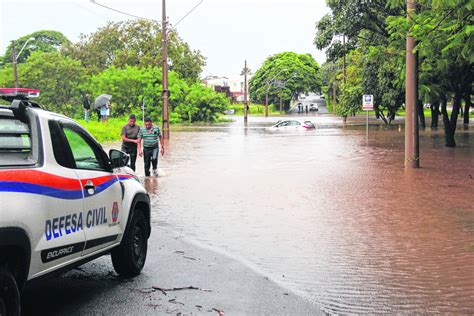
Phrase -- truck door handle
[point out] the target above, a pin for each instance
(90, 187)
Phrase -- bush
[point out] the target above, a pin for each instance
(133, 85)
(106, 132)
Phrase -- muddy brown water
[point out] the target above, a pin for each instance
(327, 214)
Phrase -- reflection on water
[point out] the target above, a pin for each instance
(329, 215)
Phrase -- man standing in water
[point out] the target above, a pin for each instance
(150, 135)
(130, 139)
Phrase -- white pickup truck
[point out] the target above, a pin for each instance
(63, 200)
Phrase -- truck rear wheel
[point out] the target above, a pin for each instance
(128, 259)
(9, 294)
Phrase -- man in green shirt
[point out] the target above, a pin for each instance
(149, 136)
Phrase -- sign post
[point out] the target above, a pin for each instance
(367, 105)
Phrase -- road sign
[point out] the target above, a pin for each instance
(368, 102)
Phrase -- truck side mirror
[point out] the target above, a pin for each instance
(118, 158)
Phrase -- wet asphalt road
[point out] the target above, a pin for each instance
(224, 284)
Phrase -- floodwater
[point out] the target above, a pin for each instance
(328, 214)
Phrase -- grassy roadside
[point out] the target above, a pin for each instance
(427, 112)
(256, 109)
(110, 132)
(105, 132)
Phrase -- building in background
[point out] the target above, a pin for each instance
(233, 87)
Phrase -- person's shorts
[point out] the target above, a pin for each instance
(104, 111)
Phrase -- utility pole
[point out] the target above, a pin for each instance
(281, 108)
(143, 110)
(344, 74)
(165, 92)
(412, 148)
(266, 103)
(334, 92)
(267, 87)
(246, 103)
(15, 71)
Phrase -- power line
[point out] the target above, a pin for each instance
(124, 13)
(140, 17)
(189, 12)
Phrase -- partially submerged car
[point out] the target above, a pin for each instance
(292, 125)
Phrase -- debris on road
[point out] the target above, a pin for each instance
(174, 301)
(220, 312)
(157, 288)
(153, 305)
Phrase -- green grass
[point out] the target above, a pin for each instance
(427, 113)
(105, 132)
(399, 113)
(256, 109)
(110, 132)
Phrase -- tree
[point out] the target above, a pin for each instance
(327, 75)
(443, 31)
(363, 24)
(58, 77)
(135, 43)
(381, 68)
(6, 76)
(298, 72)
(128, 87)
(133, 85)
(351, 91)
(349, 18)
(201, 104)
(41, 41)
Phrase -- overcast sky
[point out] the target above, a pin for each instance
(225, 31)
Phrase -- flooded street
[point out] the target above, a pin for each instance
(327, 214)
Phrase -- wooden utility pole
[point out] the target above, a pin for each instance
(165, 92)
(412, 149)
(344, 73)
(334, 93)
(266, 103)
(281, 103)
(246, 103)
(15, 71)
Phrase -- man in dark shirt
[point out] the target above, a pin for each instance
(130, 140)
(86, 104)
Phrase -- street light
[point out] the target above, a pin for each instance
(268, 88)
(283, 86)
(15, 59)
